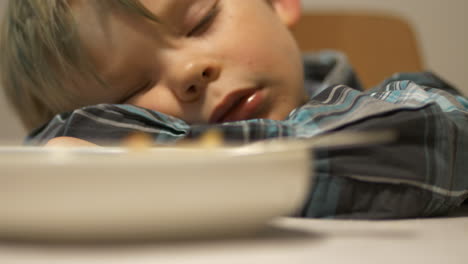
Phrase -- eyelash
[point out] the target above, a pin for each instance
(202, 26)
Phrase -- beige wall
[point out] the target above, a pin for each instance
(441, 26)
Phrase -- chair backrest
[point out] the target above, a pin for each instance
(376, 45)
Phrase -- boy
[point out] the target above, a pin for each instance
(175, 69)
(190, 61)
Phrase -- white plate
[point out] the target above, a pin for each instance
(111, 193)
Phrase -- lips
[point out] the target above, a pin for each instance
(238, 105)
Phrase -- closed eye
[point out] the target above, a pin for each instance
(206, 22)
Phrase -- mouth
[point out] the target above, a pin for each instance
(238, 105)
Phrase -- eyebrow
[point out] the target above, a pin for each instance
(137, 7)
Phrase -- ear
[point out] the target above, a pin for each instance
(289, 11)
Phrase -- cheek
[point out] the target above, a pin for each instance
(249, 54)
(159, 100)
(260, 48)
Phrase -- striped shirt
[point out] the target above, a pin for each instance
(422, 173)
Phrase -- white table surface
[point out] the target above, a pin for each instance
(288, 240)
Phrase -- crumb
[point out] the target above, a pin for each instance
(138, 141)
(211, 139)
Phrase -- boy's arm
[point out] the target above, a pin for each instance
(423, 173)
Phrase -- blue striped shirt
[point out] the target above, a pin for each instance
(422, 173)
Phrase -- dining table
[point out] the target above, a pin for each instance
(281, 240)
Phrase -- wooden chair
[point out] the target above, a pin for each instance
(376, 45)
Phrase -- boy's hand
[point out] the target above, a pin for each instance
(69, 142)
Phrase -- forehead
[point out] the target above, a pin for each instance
(108, 30)
(157, 7)
(101, 24)
(98, 16)
(166, 6)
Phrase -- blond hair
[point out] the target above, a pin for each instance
(40, 50)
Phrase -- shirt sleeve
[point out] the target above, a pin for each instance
(422, 173)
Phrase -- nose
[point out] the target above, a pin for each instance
(193, 79)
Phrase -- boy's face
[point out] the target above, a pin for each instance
(207, 61)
